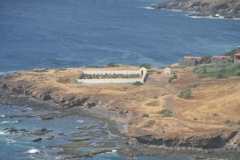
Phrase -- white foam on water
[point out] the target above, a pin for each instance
(80, 121)
(33, 150)
(148, 7)
(3, 115)
(9, 140)
(29, 109)
(2, 133)
(5, 122)
(114, 150)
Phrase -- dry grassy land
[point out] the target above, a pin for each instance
(155, 106)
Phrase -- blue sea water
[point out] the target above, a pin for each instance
(73, 33)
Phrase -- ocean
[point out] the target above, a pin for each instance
(74, 33)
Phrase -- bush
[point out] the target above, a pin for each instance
(206, 58)
(153, 103)
(215, 114)
(170, 80)
(185, 93)
(227, 121)
(238, 122)
(165, 113)
(110, 64)
(220, 75)
(237, 73)
(158, 72)
(230, 53)
(137, 83)
(174, 76)
(145, 65)
(144, 115)
(195, 85)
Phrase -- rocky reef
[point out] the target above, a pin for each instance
(214, 8)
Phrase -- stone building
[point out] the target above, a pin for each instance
(222, 59)
(190, 61)
(167, 70)
(237, 57)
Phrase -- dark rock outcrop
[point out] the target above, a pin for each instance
(224, 8)
(205, 142)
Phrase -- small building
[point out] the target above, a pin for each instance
(237, 57)
(167, 70)
(222, 59)
(115, 76)
(190, 61)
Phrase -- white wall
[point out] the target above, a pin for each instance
(109, 80)
(129, 80)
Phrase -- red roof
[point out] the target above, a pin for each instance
(237, 54)
(221, 57)
(191, 57)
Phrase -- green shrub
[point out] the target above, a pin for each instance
(137, 83)
(204, 70)
(185, 93)
(145, 65)
(220, 75)
(215, 114)
(158, 72)
(230, 53)
(110, 64)
(237, 73)
(174, 76)
(206, 58)
(153, 103)
(170, 80)
(144, 115)
(200, 76)
(227, 121)
(155, 97)
(238, 122)
(194, 119)
(195, 85)
(165, 113)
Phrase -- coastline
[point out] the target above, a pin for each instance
(146, 146)
(219, 9)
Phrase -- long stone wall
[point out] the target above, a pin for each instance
(141, 71)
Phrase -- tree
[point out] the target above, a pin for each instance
(110, 64)
(206, 58)
(230, 53)
(145, 65)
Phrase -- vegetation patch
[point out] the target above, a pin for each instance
(217, 70)
(165, 113)
(137, 83)
(145, 65)
(185, 93)
(110, 64)
(153, 103)
(144, 115)
(229, 123)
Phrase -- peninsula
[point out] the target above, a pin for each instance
(155, 114)
(214, 8)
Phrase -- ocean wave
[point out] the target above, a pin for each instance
(3, 133)
(9, 140)
(148, 7)
(5, 122)
(33, 150)
(2, 115)
(80, 121)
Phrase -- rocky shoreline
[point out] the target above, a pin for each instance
(217, 8)
(144, 144)
(222, 145)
